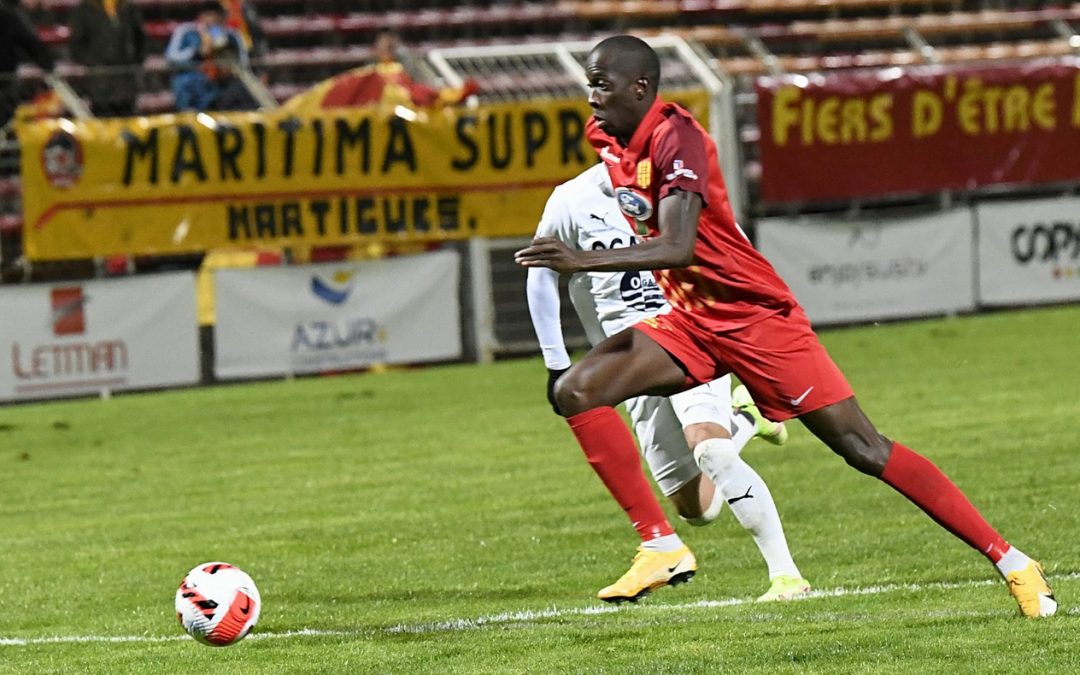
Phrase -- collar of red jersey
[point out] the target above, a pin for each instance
(612, 152)
(643, 135)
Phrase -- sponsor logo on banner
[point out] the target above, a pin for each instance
(1053, 245)
(868, 271)
(333, 342)
(53, 364)
(1029, 251)
(68, 313)
(321, 318)
(338, 341)
(336, 290)
(864, 242)
(84, 338)
(62, 160)
(865, 270)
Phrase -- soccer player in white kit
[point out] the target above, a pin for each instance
(583, 213)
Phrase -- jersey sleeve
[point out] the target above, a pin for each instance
(557, 220)
(542, 284)
(542, 291)
(680, 159)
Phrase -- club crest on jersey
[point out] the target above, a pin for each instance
(644, 174)
(633, 204)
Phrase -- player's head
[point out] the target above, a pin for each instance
(623, 73)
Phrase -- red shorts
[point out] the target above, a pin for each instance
(779, 359)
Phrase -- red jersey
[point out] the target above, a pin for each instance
(728, 284)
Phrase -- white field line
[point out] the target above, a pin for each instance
(523, 616)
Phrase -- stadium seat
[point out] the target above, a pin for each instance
(154, 102)
(626, 9)
(810, 6)
(10, 186)
(10, 223)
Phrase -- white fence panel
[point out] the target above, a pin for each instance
(316, 318)
(87, 337)
(884, 268)
(1029, 251)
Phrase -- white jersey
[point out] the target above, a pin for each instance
(583, 214)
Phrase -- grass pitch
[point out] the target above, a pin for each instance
(443, 520)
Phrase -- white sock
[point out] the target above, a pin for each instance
(1014, 560)
(711, 513)
(742, 430)
(664, 544)
(750, 501)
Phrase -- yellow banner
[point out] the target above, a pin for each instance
(188, 183)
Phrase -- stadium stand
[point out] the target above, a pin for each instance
(310, 40)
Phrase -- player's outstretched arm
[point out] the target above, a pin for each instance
(673, 247)
(542, 290)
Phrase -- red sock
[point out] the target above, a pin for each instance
(918, 479)
(613, 456)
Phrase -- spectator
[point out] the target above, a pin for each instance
(204, 51)
(108, 35)
(387, 82)
(17, 39)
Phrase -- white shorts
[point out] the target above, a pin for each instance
(659, 422)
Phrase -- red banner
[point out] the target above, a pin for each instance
(922, 130)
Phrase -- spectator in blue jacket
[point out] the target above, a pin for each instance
(203, 52)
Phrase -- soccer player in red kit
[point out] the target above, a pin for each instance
(731, 312)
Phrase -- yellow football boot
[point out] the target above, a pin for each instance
(651, 569)
(786, 587)
(1031, 591)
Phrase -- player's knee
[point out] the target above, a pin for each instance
(867, 455)
(716, 456)
(574, 395)
(693, 512)
(687, 500)
(699, 432)
(699, 518)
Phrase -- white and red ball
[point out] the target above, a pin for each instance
(217, 604)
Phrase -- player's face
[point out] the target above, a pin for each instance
(615, 96)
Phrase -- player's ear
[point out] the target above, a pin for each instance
(641, 87)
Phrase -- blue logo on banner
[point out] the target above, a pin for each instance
(335, 291)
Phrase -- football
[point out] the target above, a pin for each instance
(217, 604)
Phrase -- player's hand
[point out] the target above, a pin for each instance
(549, 252)
(553, 376)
